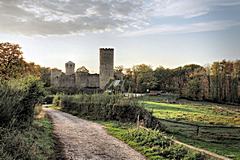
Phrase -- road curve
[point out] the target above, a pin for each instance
(85, 140)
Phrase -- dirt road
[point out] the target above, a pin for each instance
(85, 140)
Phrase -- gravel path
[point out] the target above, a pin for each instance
(85, 140)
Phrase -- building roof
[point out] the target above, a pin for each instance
(83, 70)
(70, 62)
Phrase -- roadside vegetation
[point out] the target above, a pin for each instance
(107, 107)
(153, 144)
(35, 142)
(22, 136)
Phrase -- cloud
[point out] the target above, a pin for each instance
(187, 8)
(44, 17)
(65, 17)
(187, 28)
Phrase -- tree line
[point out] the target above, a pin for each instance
(218, 82)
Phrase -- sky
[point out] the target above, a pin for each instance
(167, 33)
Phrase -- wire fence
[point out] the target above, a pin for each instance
(207, 132)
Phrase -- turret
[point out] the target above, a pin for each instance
(70, 68)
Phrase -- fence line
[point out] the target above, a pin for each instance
(198, 127)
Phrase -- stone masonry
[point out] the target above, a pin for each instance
(106, 66)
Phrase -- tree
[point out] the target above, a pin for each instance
(164, 78)
(119, 69)
(45, 76)
(11, 60)
(12, 64)
(128, 77)
(194, 89)
(143, 77)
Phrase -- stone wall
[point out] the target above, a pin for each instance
(106, 66)
(93, 81)
(55, 75)
(86, 80)
(67, 81)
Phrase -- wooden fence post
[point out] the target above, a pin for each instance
(198, 128)
(138, 122)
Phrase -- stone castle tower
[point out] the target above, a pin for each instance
(106, 66)
(70, 68)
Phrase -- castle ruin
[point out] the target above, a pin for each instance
(82, 78)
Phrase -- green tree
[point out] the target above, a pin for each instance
(45, 76)
(164, 78)
(143, 77)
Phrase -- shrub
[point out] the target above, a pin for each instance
(148, 138)
(56, 100)
(34, 143)
(108, 107)
(17, 101)
(155, 145)
(48, 99)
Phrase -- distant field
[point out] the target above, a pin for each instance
(200, 114)
(219, 140)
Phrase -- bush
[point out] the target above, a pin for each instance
(17, 101)
(56, 100)
(155, 145)
(48, 99)
(34, 143)
(108, 107)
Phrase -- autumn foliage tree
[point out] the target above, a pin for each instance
(12, 64)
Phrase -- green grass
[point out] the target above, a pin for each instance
(200, 114)
(35, 143)
(55, 107)
(205, 114)
(228, 148)
(152, 144)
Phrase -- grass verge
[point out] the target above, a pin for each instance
(152, 144)
(34, 143)
(228, 148)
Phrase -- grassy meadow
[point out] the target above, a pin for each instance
(219, 140)
(195, 113)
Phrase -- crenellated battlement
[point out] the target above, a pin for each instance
(106, 49)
